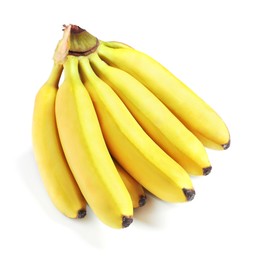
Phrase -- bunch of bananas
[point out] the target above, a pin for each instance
(118, 124)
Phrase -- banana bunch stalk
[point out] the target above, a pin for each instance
(118, 125)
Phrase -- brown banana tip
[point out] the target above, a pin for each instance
(189, 193)
(126, 221)
(226, 146)
(82, 213)
(142, 200)
(207, 170)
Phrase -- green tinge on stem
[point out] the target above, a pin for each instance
(82, 43)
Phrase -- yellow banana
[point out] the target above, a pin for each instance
(190, 109)
(115, 44)
(134, 150)
(134, 188)
(155, 118)
(54, 170)
(86, 151)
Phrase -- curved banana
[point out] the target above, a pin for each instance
(155, 118)
(86, 151)
(134, 188)
(190, 109)
(54, 170)
(134, 150)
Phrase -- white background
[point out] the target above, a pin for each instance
(212, 47)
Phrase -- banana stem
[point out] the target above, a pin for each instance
(71, 68)
(86, 70)
(82, 43)
(55, 74)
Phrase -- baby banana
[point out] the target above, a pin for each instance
(189, 108)
(155, 118)
(86, 151)
(134, 150)
(54, 170)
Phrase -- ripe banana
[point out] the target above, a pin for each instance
(155, 118)
(134, 188)
(86, 151)
(115, 44)
(189, 108)
(134, 150)
(54, 170)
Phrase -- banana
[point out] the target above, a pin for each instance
(86, 151)
(54, 170)
(134, 150)
(155, 118)
(134, 188)
(115, 44)
(189, 108)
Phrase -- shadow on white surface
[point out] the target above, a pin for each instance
(152, 213)
(88, 228)
(147, 216)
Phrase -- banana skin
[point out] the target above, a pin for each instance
(134, 188)
(134, 150)
(188, 107)
(155, 118)
(86, 151)
(53, 167)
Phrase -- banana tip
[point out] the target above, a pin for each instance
(82, 213)
(142, 200)
(126, 221)
(189, 193)
(207, 170)
(226, 146)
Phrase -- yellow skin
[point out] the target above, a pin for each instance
(86, 151)
(134, 188)
(134, 150)
(155, 118)
(115, 44)
(189, 108)
(54, 170)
